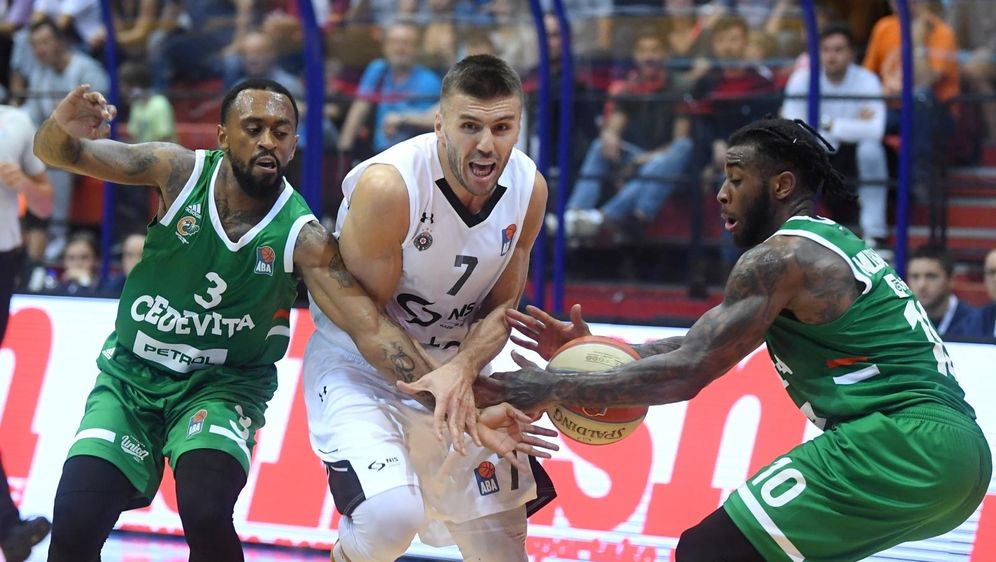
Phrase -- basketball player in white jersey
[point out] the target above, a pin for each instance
(438, 229)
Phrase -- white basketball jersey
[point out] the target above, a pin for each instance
(451, 258)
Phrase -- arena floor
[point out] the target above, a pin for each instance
(131, 547)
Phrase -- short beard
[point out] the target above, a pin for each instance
(756, 221)
(253, 186)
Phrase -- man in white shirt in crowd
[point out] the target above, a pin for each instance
(22, 175)
(859, 122)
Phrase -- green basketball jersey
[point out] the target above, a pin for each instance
(197, 299)
(881, 355)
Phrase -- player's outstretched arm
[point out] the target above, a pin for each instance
(73, 138)
(337, 293)
(762, 284)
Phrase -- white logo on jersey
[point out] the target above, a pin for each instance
(869, 262)
(194, 209)
(157, 311)
(177, 356)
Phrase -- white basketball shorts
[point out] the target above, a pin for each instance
(372, 438)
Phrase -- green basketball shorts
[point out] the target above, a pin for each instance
(138, 415)
(865, 486)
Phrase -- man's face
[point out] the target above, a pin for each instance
(46, 46)
(131, 252)
(649, 54)
(478, 137)
(257, 55)
(928, 281)
(401, 46)
(835, 55)
(730, 43)
(989, 274)
(259, 139)
(745, 199)
(79, 257)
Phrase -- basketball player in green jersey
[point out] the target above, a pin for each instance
(901, 457)
(203, 317)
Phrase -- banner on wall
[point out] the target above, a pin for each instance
(626, 502)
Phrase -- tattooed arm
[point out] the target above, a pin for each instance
(763, 283)
(657, 347)
(381, 342)
(72, 138)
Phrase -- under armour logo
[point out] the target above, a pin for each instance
(427, 217)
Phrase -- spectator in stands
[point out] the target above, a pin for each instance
(57, 70)
(974, 23)
(79, 265)
(131, 253)
(989, 277)
(257, 58)
(13, 16)
(136, 23)
(929, 273)
(935, 81)
(728, 92)
(513, 34)
(198, 40)
(643, 148)
(585, 108)
(402, 94)
(854, 126)
(78, 19)
(150, 114)
(22, 176)
(150, 119)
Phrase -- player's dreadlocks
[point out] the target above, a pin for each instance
(782, 142)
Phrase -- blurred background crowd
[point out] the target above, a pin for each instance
(658, 86)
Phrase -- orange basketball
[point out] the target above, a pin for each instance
(594, 426)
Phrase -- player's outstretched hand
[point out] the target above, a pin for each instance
(506, 430)
(543, 333)
(528, 389)
(85, 114)
(455, 410)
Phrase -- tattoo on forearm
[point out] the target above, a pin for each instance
(404, 364)
(657, 347)
(337, 269)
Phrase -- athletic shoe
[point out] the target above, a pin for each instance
(17, 546)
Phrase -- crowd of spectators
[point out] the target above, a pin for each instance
(659, 85)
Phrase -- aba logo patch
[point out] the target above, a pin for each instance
(187, 226)
(265, 256)
(423, 240)
(507, 235)
(196, 423)
(487, 480)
